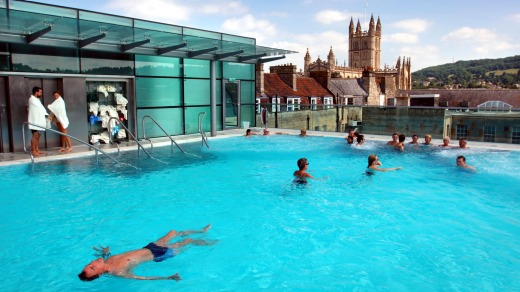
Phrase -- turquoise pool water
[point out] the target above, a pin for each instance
(427, 227)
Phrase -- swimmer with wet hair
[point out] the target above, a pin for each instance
(301, 174)
(461, 162)
(374, 163)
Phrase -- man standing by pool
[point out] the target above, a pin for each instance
(121, 265)
(37, 117)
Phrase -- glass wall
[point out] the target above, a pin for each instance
(178, 90)
(158, 92)
(97, 63)
(171, 119)
(44, 59)
(157, 66)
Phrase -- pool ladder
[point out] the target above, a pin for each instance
(201, 131)
(110, 134)
(62, 134)
(162, 129)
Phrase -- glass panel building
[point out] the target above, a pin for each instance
(124, 67)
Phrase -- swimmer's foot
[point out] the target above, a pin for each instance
(36, 153)
(62, 150)
(206, 228)
(69, 149)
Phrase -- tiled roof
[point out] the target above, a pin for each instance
(274, 85)
(474, 97)
(348, 86)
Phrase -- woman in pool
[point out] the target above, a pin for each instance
(374, 164)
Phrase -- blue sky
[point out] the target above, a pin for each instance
(429, 32)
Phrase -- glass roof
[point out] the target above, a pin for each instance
(41, 24)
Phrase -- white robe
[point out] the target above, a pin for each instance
(37, 114)
(58, 109)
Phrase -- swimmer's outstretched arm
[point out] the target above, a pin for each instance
(175, 277)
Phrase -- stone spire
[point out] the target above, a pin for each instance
(378, 27)
(371, 26)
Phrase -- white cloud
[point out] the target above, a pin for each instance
(516, 17)
(156, 10)
(405, 38)
(250, 26)
(471, 34)
(224, 8)
(330, 16)
(412, 25)
(487, 48)
(421, 56)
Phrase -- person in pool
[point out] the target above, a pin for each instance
(445, 142)
(461, 162)
(249, 133)
(415, 140)
(395, 140)
(374, 164)
(301, 175)
(121, 265)
(427, 140)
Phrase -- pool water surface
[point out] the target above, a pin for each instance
(429, 226)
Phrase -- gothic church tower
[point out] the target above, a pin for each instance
(364, 48)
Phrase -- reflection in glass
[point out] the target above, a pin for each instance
(106, 63)
(48, 64)
(156, 92)
(157, 66)
(231, 91)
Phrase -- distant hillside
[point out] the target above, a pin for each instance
(485, 73)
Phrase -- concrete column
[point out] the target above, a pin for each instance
(213, 98)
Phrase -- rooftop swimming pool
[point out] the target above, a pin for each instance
(430, 226)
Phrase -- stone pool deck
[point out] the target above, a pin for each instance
(82, 150)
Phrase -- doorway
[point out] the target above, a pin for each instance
(231, 109)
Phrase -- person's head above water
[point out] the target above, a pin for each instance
(302, 163)
(371, 159)
(93, 270)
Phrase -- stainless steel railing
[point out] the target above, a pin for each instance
(139, 146)
(63, 134)
(162, 129)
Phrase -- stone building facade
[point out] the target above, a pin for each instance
(365, 63)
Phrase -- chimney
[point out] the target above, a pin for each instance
(259, 71)
(287, 73)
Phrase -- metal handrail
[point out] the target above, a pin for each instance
(164, 131)
(63, 134)
(201, 131)
(128, 132)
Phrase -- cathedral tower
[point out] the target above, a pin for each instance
(365, 46)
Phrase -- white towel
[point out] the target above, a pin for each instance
(58, 109)
(37, 114)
